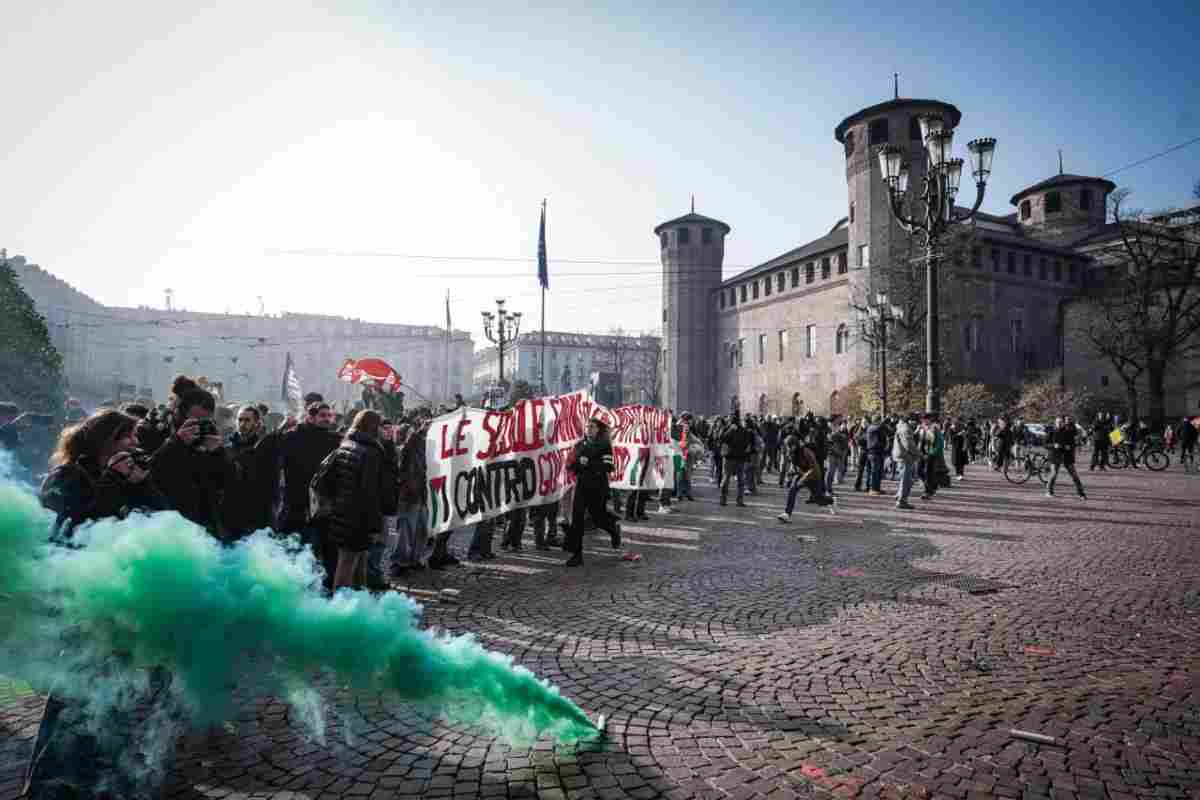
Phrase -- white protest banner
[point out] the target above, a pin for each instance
(642, 447)
(482, 463)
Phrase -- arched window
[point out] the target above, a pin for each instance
(762, 404)
(842, 340)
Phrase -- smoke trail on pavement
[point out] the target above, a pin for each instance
(158, 591)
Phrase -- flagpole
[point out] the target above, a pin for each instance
(543, 282)
(446, 394)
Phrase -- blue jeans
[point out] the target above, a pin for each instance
(876, 465)
(814, 492)
(907, 474)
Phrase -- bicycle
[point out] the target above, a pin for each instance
(1020, 467)
(1151, 455)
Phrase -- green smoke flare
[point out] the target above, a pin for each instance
(157, 591)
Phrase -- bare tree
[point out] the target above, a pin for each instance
(1143, 314)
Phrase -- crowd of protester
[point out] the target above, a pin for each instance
(353, 487)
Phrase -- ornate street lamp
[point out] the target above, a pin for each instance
(939, 188)
(502, 329)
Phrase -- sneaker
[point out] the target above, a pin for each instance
(905, 505)
(643, 517)
(574, 561)
(1082, 496)
(543, 547)
(958, 477)
(740, 504)
(1049, 494)
(784, 517)
(874, 492)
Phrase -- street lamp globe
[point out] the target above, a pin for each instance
(902, 179)
(953, 168)
(940, 145)
(890, 159)
(982, 152)
(930, 124)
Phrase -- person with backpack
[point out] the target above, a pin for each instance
(361, 484)
(807, 470)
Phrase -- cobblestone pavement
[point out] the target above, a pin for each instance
(872, 653)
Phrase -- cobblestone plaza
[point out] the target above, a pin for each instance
(871, 653)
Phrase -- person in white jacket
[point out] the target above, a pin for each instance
(904, 453)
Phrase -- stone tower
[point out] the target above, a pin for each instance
(875, 239)
(693, 251)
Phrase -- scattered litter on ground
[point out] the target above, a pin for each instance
(1030, 736)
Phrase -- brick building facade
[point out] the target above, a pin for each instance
(786, 336)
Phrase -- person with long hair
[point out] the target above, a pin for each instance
(363, 485)
(97, 472)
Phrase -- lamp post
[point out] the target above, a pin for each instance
(502, 329)
(882, 313)
(939, 188)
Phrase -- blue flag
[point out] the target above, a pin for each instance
(543, 268)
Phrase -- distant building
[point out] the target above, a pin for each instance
(784, 337)
(106, 350)
(572, 358)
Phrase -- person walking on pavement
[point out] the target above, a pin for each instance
(876, 437)
(959, 447)
(904, 454)
(1061, 443)
(933, 450)
(592, 462)
(1101, 428)
(737, 446)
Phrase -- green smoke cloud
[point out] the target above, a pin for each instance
(158, 591)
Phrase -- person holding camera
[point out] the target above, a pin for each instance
(191, 467)
(96, 472)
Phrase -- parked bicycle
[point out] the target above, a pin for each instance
(1150, 454)
(1025, 464)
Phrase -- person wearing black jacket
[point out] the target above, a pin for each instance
(737, 448)
(362, 484)
(246, 504)
(191, 467)
(1101, 428)
(95, 476)
(593, 460)
(1060, 441)
(296, 453)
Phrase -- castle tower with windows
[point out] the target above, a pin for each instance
(692, 253)
(875, 241)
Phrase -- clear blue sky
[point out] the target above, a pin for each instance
(153, 145)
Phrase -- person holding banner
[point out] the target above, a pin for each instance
(592, 462)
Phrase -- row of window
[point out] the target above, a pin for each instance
(684, 236)
(1054, 203)
(737, 351)
(972, 342)
(1046, 270)
(972, 339)
(779, 281)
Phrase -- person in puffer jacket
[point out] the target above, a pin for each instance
(362, 484)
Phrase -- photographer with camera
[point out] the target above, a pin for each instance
(97, 472)
(191, 467)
